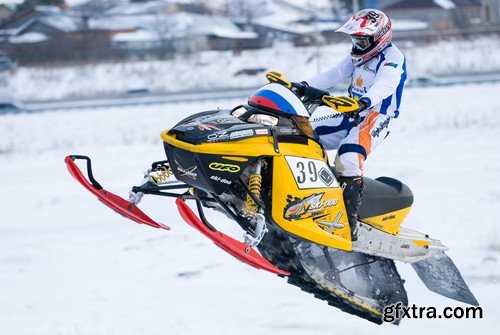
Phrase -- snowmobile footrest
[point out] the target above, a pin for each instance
(115, 202)
(236, 248)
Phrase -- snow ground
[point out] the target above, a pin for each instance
(69, 265)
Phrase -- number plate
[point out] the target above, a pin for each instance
(311, 173)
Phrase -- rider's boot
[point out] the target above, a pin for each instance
(352, 190)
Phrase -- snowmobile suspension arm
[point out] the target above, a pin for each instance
(150, 188)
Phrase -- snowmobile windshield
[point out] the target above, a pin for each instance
(303, 125)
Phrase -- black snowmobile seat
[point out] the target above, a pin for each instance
(383, 195)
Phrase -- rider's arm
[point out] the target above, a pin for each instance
(336, 75)
(390, 75)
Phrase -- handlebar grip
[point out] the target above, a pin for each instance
(279, 78)
(341, 104)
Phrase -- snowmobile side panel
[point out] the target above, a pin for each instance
(113, 201)
(307, 200)
(237, 249)
(388, 222)
(441, 276)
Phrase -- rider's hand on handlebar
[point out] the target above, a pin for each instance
(363, 104)
(300, 88)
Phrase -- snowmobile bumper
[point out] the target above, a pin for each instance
(113, 201)
(237, 249)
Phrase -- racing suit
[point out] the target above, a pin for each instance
(380, 82)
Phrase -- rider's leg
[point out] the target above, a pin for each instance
(331, 129)
(353, 151)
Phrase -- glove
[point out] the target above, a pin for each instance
(363, 104)
(300, 88)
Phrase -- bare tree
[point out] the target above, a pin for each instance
(165, 28)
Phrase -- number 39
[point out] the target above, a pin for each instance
(310, 172)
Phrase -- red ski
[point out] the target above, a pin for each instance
(238, 249)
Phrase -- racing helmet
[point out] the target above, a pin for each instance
(370, 31)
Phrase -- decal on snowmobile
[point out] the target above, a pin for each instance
(218, 136)
(311, 206)
(310, 173)
(241, 134)
(220, 180)
(187, 172)
(235, 135)
(329, 226)
(224, 167)
(261, 132)
(326, 176)
(201, 126)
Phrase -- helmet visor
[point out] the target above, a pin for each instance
(361, 42)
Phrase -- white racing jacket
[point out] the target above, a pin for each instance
(380, 80)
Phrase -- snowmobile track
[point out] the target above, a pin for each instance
(278, 248)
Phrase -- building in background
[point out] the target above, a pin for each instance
(98, 30)
(491, 11)
(5, 12)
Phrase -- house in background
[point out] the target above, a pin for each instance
(491, 11)
(37, 24)
(5, 12)
(163, 28)
(281, 21)
(166, 35)
(48, 33)
(440, 15)
(104, 30)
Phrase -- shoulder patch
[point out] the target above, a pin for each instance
(391, 64)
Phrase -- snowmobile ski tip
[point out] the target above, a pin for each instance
(113, 201)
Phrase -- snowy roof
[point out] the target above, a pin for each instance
(294, 17)
(32, 37)
(432, 4)
(154, 7)
(138, 8)
(48, 15)
(48, 10)
(297, 28)
(177, 24)
(402, 25)
(135, 36)
(446, 4)
(210, 25)
(60, 22)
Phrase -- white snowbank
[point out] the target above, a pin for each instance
(215, 70)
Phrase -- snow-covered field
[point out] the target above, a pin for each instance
(216, 70)
(71, 266)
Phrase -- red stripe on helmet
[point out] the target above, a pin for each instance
(263, 101)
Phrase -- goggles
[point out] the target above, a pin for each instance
(361, 42)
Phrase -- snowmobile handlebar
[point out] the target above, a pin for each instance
(312, 95)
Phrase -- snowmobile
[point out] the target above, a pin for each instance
(268, 172)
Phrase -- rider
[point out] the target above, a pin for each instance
(377, 72)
